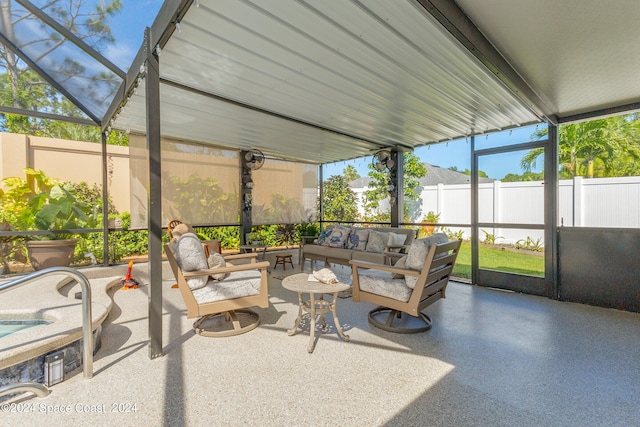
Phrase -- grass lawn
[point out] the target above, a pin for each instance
(497, 259)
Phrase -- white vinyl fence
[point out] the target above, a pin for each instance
(594, 202)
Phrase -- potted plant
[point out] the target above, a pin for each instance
(47, 205)
(430, 218)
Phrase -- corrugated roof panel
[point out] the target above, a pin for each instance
(198, 118)
(385, 72)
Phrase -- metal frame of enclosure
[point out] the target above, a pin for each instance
(322, 82)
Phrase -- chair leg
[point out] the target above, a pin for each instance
(424, 322)
(228, 323)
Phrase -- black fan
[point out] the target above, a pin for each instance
(254, 159)
(382, 160)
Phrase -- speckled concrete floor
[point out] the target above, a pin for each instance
(491, 358)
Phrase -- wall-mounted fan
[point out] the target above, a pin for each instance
(382, 160)
(254, 159)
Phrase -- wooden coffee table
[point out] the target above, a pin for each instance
(300, 283)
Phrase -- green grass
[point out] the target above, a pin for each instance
(496, 259)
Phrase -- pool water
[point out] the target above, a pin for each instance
(10, 326)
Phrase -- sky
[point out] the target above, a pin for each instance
(128, 29)
(457, 154)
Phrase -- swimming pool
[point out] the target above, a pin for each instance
(8, 327)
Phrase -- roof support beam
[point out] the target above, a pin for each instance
(451, 17)
(47, 116)
(154, 199)
(610, 111)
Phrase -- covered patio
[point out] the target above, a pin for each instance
(318, 82)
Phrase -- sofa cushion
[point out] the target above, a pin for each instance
(396, 239)
(190, 257)
(358, 238)
(368, 256)
(323, 238)
(377, 241)
(410, 233)
(317, 249)
(338, 237)
(417, 255)
(339, 253)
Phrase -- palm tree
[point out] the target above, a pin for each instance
(602, 147)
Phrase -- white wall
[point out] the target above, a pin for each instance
(594, 202)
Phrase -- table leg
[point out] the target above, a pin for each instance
(294, 330)
(312, 328)
(324, 322)
(335, 318)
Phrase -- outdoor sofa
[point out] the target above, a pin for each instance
(339, 244)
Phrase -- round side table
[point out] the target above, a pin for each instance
(300, 283)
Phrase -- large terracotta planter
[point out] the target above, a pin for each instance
(51, 253)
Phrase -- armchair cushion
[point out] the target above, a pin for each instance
(190, 257)
(237, 285)
(417, 255)
(382, 283)
(214, 261)
(400, 263)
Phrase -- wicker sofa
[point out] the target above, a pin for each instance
(339, 244)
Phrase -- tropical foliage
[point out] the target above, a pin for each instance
(23, 88)
(413, 171)
(606, 147)
(339, 202)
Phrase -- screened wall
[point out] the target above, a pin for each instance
(201, 186)
(285, 192)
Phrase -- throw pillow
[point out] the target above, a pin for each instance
(323, 238)
(396, 239)
(338, 237)
(358, 239)
(180, 230)
(190, 257)
(377, 241)
(401, 263)
(417, 255)
(214, 261)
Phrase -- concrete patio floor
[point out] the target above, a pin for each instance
(491, 358)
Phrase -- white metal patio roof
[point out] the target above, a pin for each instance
(323, 81)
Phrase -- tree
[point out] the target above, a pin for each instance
(527, 176)
(413, 171)
(350, 173)
(339, 202)
(481, 173)
(598, 148)
(22, 88)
